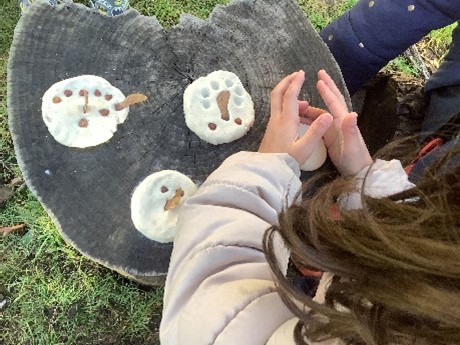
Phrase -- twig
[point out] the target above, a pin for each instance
(85, 107)
(14, 182)
(130, 100)
(175, 200)
(414, 56)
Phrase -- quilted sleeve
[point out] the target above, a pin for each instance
(219, 288)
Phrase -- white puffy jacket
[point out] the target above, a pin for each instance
(219, 288)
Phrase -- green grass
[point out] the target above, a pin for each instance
(168, 11)
(321, 13)
(441, 39)
(55, 295)
(8, 15)
(403, 64)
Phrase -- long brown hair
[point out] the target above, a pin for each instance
(396, 262)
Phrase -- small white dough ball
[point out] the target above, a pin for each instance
(319, 155)
(217, 108)
(64, 114)
(156, 201)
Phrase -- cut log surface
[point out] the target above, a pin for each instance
(88, 191)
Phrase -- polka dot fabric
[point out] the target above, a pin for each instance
(374, 32)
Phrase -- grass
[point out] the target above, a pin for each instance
(53, 294)
(440, 39)
(321, 13)
(56, 296)
(8, 15)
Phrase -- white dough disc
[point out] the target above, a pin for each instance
(319, 155)
(62, 111)
(217, 108)
(150, 199)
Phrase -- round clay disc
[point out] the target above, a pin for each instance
(72, 123)
(319, 155)
(156, 202)
(217, 108)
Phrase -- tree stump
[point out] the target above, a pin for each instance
(88, 191)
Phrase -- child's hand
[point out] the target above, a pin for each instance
(282, 134)
(343, 139)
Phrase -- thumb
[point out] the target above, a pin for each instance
(352, 140)
(354, 149)
(315, 133)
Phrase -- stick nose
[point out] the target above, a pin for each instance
(175, 200)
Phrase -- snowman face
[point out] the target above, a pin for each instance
(156, 201)
(81, 111)
(217, 108)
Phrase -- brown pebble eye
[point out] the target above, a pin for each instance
(182, 193)
(104, 112)
(108, 97)
(119, 107)
(212, 126)
(238, 122)
(97, 93)
(164, 189)
(68, 93)
(57, 100)
(83, 123)
(82, 92)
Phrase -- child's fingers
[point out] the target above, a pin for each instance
(350, 130)
(322, 75)
(306, 120)
(332, 102)
(315, 133)
(276, 98)
(290, 100)
(354, 147)
(353, 143)
(303, 106)
(312, 112)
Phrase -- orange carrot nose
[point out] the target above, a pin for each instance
(175, 200)
(131, 100)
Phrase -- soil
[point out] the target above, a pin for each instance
(392, 105)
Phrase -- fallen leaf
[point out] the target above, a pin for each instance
(8, 229)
